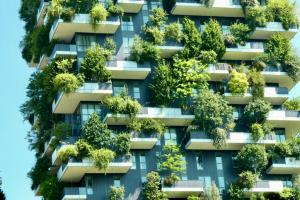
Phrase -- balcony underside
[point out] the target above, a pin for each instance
(43, 62)
(71, 54)
(73, 172)
(242, 54)
(266, 187)
(169, 51)
(182, 192)
(266, 33)
(121, 119)
(74, 197)
(129, 73)
(143, 143)
(283, 169)
(196, 9)
(279, 77)
(130, 6)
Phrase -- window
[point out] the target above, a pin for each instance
(279, 135)
(143, 167)
(87, 109)
(105, 3)
(221, 182)
(287, 184)
(85, 41)
(89, 185)
(127, 23)
(118, 90)
(127, 44)
(199, 161)
(183, 173)
(157, 159)
(117, 182)
(145, 14)
(219, 163)
(155, 4)
(206, 180)
(170, 136)
(133, 160)
(136, 93)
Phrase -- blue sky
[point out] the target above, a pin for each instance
(15, 158)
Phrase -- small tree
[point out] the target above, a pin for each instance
(67, 82)
(83, 148)
(51, 189)
(213, 37)
(241, 32)
(62, 131)
(152, 188)
(173, 32)
(256, 112)
(257, 131)
(258, 83)
(152, 126)
(247, 180)
(98, 13)
(238, 83)
(96, 133)
(67, 152)
(256, 17)
(142, 51)
(252, 158)
(292, 104)
(171, 162)
(158, 17)
(154, 35)
(116, 193)
(121, 143)
(278, 48)
(102, 158)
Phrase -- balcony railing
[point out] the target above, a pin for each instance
(131, 6)
(183, 189)
(284, 166)
(74, 193)
(64, 50)
(247, 52)
(169, 48)
(42, 12)
(271, 28)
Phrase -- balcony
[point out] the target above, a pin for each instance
(128, 70)
(235, 141)
(272, 28)
(43, 62)
(273, 74)
(142, 141)
(44, 4)
(183, 189)
(169, 116)
(64, 50)
(218, 71)
(220, 8)
(73, 171)
(47, 147)
(285, 166)
(274, 95)
(131, 6)
(65, 31)
(266, 187)
(67, 103)
(74, 193)
(248, 52)
(169, 49)
(290, 120)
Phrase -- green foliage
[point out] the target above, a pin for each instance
(154, 35)
(152, 188)
(116, 193)
(191, 39)
(171, 161)
(252, 158)
(93, 66)
(292, 67)
(208, 57)
(163, 84)
(282, 11)
(152, 126)
(123, 104)
(51, 189)
(173, 32)
(257, 196)
(28, 12)
(39, 172)
(67, 152)
(98, 13)
(115, 9)
(247, 180)
(142, 51)
(83, 148)
(62, 131)
(235, 193)
(102, 158)
(96, 133)
(212, 192)
(249, 3)
(281, 150)
(256, 112)
(158, 17)
(213, 37)
(292, 104)
(192, 197)
(238, 83)
(55, 9)
(241, 32)
(257, 131)
(80, 6)
(67, 82)
(168, 5)
(256, 17)
(68, 14)
(258, 83)
(214, 115)
(278, 48)
(189, 75)
(121, 143)
(110, 45)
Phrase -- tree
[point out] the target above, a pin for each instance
(83, 148)
(241, 32)
(142, 51)
(174, 32)
(213, 37)
(121, 144)
(93, 65)
(258, 83)
(256, 111)
(256, 17)
(257, 131)
(278, 48)
(158, 17)
(192, 40)
(67, 152)
(152, 188)
(51, 189)
(102, 158)
(116, 193)
(67, 82)
(212, 192)
(2, 195)
(171, 161)
(39, 172)
(98, 13)
(154, 34)
(252, 158)
(247, 180)
(214, 115)
(96, 133)
(62, 131)
(238, 83)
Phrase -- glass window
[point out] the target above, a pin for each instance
(206, 180)
(184, 172)
(136, 93)
(155, 4)
(221, 182)
(199, 161)
(105, 3)
(143, 167)
(117, 182)
(85, 41)
(170, 136)
(127, 23)
(157, 159)
(87, 109)
(127, 44)
(89, 185)
(133, 160)
(219, 163)
(118, 90)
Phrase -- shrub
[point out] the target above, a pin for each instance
(39, 172)
(158, 17)
(102, 158)
(241, 32)
(235, 193)
(115, 9)
(252, 158)
(93, 65)
(110, 45)
(83, 148)
(116, 193)
(229, 40)
(192, 197)
(68, 14)
(95, 132)
(67, 82)
(55, 9)
(152, 188)
(173, 32)
(247, 180)
(208, 57)
(67, 152)
(292, 67)
(213, 111)
(256, 17)
(238, 83)
(154, 34)
(121, 143)
(257, 111)
(258, 83)
(98, 13)
(51, 189)
(281, 150)
(62, 131)
(249, 3)
(282, 11)
(152, 126)
(257, 131)
(213, 37)
(292, 104)
(142, 51)
(278, 48)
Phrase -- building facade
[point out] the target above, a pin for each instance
(204, 162)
